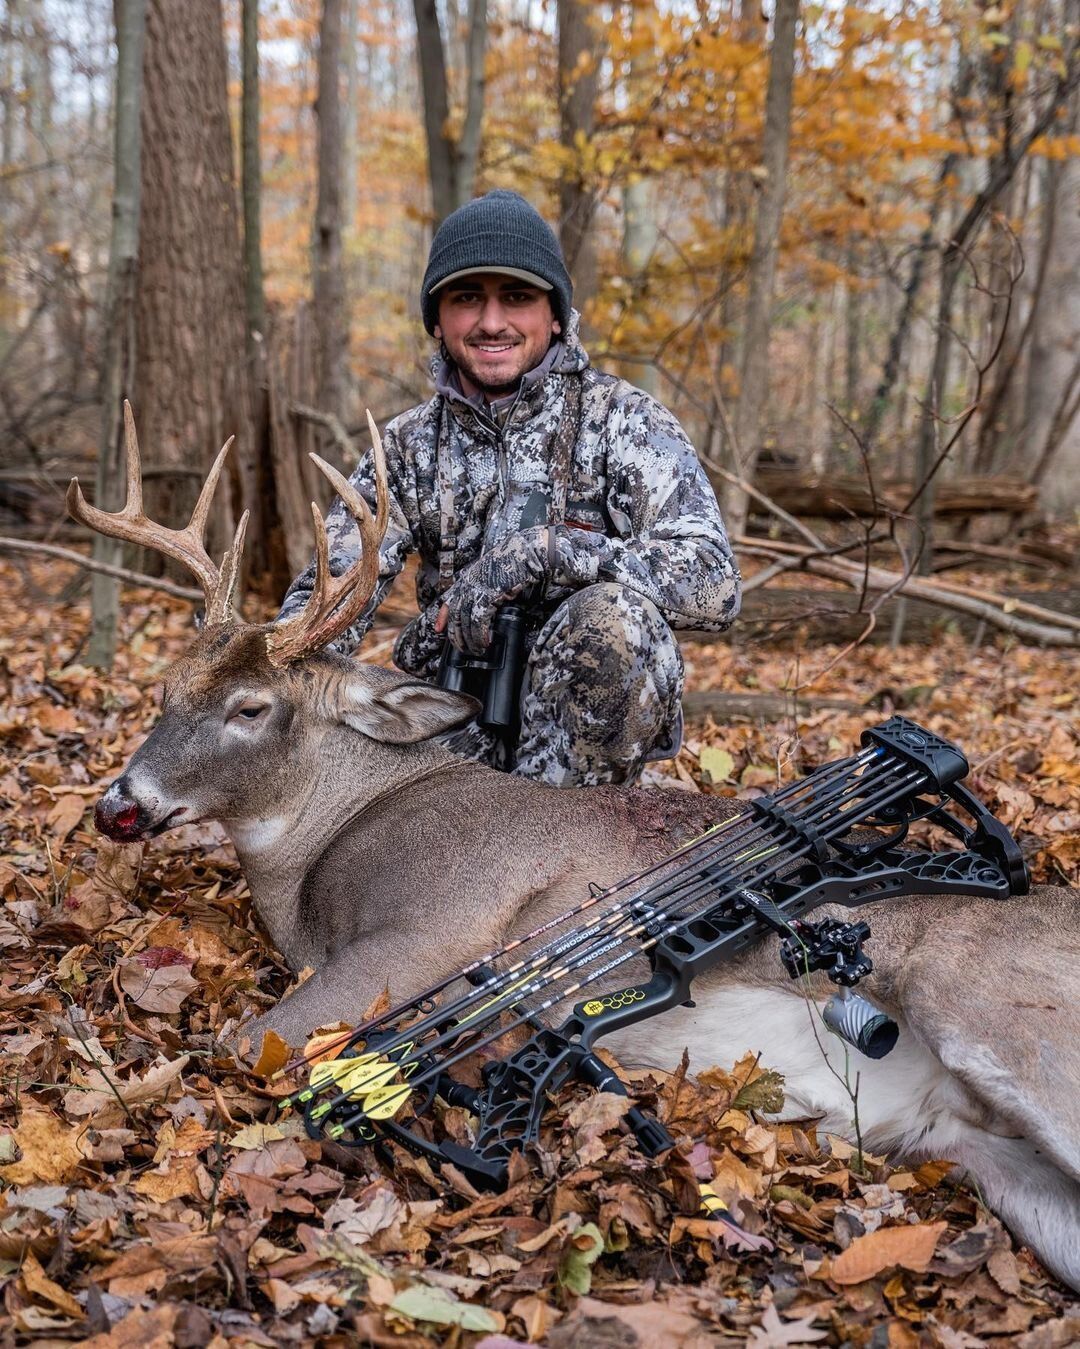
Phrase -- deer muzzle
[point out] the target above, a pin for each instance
(126, 818)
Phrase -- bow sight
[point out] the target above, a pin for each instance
(558, 986)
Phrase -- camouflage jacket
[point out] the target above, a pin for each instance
(639, 509)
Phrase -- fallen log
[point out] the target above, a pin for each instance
(1030, 622)
(833, 496)
(751, 706)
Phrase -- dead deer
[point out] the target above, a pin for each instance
(377, 857)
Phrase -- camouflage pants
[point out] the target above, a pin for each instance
(601, 695)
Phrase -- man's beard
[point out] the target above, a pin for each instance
(499, 390)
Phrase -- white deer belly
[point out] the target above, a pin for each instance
(901, 1098)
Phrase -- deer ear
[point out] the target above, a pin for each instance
(401, 713)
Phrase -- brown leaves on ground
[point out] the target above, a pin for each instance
(152, 1194)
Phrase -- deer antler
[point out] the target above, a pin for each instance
(185, 545)
(336, 602)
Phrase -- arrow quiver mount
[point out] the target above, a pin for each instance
(831, 838)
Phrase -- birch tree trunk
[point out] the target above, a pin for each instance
(754, 372)
(331, 332)
(119, 327)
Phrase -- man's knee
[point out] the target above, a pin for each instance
(610, 616)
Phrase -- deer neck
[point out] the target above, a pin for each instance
(348, 775)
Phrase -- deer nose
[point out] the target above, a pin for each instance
(118, 815)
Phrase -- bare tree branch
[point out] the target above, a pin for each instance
(135, 578)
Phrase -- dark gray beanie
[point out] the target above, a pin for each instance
(498, 230)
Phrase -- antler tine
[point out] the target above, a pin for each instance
(201, 513)
(185, 545)
(134, 501)
(336, 602)
(382, 496)
(219, 610)
(318, 596)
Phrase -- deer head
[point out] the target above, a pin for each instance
(245, 708)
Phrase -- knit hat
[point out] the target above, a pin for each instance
(499, 232)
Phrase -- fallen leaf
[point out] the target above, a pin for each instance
(65, 816)
(39, 1285)
(420, 1302)
(653, 1325)
(273, 1056)
(773, 1333)
(156, 989)
(910, 1247)
(717, 765)
(580, 1254)
(254, 1136)
(49, 1150)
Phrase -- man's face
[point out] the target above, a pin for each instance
(495, 329)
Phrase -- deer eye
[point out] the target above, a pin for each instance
(248, 711)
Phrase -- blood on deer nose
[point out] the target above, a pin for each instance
(117, 816)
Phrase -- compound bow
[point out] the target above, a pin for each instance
(741, 880)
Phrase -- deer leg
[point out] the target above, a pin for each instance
(350, 982)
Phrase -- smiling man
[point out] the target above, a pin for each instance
(534, 479)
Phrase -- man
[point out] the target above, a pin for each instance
(532, 478)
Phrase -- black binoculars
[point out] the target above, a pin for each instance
(494, 678)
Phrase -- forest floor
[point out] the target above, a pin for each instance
(153, 1194)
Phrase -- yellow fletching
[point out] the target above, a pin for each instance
(353, 1076)
(385, 1102)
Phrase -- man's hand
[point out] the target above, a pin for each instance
(512, 568)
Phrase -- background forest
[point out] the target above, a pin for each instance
(841, 241)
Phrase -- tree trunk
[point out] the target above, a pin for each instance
(737, 193)
(754, 374)
(852, 334)
(579, 67)
(929, 457)
(468, 155)
(191, 369)
(350, 167)
(640, 232)
(264, 556)
(432, 59)
(1052, 433)
(640, 237)
(119, 326)
(331, 332)
(251, 173)
(451, 162)
(9, 102)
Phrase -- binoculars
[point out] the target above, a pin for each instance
(495, 677)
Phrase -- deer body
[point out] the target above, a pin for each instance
(378, 858)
